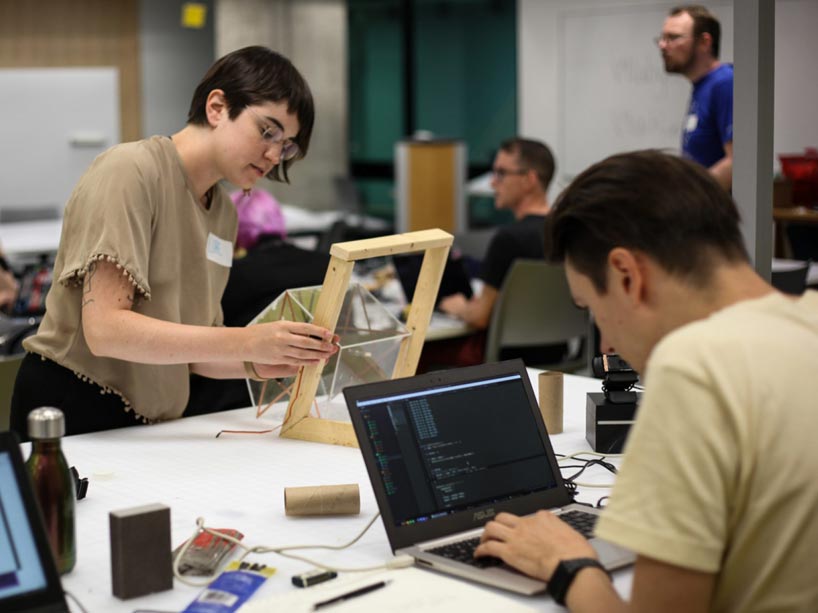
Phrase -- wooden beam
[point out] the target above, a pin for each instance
(435, 244)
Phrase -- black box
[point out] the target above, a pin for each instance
(607, 424)
(140, 551)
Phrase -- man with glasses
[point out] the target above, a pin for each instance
(522, 171)
(690, 47)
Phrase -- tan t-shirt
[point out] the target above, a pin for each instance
(134, 207)
(720, 472)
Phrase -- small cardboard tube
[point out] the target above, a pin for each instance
(550, 384)
(322, 500)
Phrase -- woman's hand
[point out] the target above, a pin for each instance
(289, 343)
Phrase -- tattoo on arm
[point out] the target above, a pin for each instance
(86, 286)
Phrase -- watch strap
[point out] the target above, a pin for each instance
(566, 572)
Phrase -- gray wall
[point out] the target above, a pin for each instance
(173, 59)
(313, 35)
(541, 61)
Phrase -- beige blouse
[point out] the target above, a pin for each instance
(134, 207)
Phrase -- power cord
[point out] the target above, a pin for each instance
(598, 459)
(398, 562)
(76, 601)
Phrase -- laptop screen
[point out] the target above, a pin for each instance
(20, 568)
(28, 573)
(455, 446)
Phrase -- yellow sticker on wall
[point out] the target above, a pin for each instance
(194, 15)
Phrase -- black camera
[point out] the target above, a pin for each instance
(619, 377)
(609, 416)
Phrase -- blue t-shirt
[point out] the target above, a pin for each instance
(709, 122)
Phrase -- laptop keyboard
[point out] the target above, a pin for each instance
(463, 551)
(583, 523)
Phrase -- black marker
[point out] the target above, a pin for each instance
(353, 594)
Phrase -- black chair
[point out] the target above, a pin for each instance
(792, 281)
(534, 308)
(803, 241)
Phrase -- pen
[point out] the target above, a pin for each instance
(353, 594)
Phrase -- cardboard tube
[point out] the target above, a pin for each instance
(550, 384)
(322, 500)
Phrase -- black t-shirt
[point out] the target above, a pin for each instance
(268, 269)
(522, 239)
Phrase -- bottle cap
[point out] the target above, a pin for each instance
(45, 423)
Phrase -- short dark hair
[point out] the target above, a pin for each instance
(255, 75)
(666, 207)
(534, 155)
(703, 22)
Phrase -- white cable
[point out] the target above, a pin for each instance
(577, 455)
(599, 485)
(282, 551)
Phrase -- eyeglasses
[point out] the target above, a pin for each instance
(274, 135)
(668, 39)
(502, 173)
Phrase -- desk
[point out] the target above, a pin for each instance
(237, 481)
(481, 186)
(799, 214)
(24, 239)
(444, 327)
(441, 326)
(30, 238)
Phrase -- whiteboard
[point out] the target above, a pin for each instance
(615, 94)
(54, 122)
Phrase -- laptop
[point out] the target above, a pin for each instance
(29, 581)
(447, 451)
(455, 279)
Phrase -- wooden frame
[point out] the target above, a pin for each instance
(435, 244)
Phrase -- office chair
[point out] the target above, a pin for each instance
(534, 307)
(9, 365)
(792, 281)
(803, 240)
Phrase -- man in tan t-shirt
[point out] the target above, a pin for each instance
(716, 493)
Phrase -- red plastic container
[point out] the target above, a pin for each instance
(802, 170)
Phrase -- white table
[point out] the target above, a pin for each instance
(237, 481)
(481, 186)
(30, 238)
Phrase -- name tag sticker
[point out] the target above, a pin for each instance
(219, 250)
(692, 122)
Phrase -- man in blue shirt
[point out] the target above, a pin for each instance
(690, 46)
